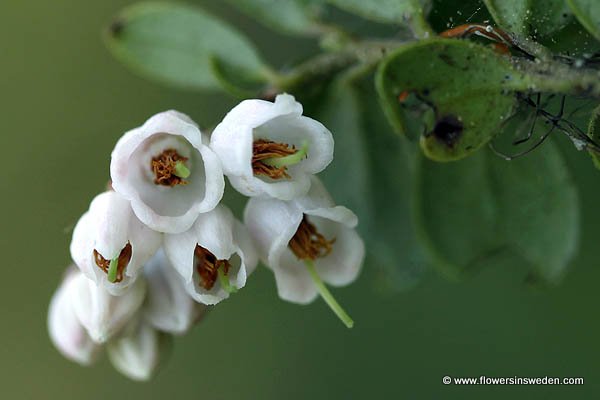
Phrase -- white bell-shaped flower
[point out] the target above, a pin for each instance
(167, 172)
(214, 257)
(102, 314)
(66, 331)
(169, 307)
(110, 244)
(307, 241)
(271, 149)
(136, 353)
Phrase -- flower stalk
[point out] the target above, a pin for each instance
(327, 296)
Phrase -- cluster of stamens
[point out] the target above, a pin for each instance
(164, 168)
(123, 261)
(207, 266)
(308, 243)
(266, 149)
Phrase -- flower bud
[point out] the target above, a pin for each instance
(102, 314)
(66, 332)
(136, 353)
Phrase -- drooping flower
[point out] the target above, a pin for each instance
(307, 241)
(167, 172)
(102, 314)
(271, 149)
(169, 307)
(110, 244)
(84, 318)
(136, 353)
(214, 257)
(66, 331)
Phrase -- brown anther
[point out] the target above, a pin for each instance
(124, 258)
(308, 243)
(263, 149)
(163, 167)
(208, 266)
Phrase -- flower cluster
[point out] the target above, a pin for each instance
(158, 248)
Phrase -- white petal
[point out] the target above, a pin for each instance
(66, 332)
(137, 353)
(168, 307)
(242, 237)
(102, 314)
(179, 249)
(288, 189)
(111, 214)
(82, 246)
(272, 224)
(343, 264)
(293, 281)
(167, 209)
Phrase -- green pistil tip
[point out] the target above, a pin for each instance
(327, 296)
(224, 281)
(112, 269)
(286, 161)
(181, 170)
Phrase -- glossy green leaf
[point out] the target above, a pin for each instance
(386, 11)
(530, 17)
(484, 205)
(360, 177)
(177, 44)
(588, 14)
(296, 17)
(466, 87)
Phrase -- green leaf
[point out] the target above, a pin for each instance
(177, 45)
(467, 87)
(530, 17)
(484, 205)
(588, 14)
(367, 151)
(296, 17)
(404, 12)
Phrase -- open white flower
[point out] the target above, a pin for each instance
(136, 353)
(110, 244)
(271, 149)
(214, 257)
(167, 172)
(169, 307)
(304, 241)
(66, 331)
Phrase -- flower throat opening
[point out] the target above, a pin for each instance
(169, 168)
(122, 262)
(308, 243)
(266, 149)
(208, 267)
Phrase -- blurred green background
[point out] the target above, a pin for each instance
(64, 102)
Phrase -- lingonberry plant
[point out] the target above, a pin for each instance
(450, 128)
